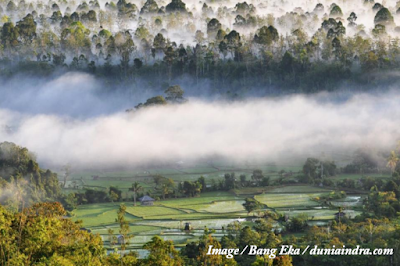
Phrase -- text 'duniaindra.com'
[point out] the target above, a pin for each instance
(253, 250)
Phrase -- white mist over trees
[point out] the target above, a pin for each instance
(305, 46)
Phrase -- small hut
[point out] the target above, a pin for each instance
(121, 240)
(340, 214)
(146, 201)
(188, 227)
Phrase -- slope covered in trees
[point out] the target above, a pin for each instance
(22, 181)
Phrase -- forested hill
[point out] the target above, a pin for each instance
(22, 182)
(236, 46)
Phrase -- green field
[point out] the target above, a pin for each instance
(359, 176)
(297, 189)
(223, 207)
(98, 214)
(213, 204)
(155, 212)
(287, 200)
(206, 198)
(213, 210)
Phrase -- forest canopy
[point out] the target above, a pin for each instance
(237, 46)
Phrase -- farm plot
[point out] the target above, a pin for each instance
(119, 174)
(216, 176)
(222, 207)
(204, 207)
(164, 171)
(349, 201)
(250, 190)
(204, 215)
(151, 212)
(98, 214)
(121, 184)
(298, 189)
(271, 168)
(288, 200)
(201, 170)
(210, 197)
(359, 176)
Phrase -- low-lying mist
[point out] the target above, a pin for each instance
(81, 95)
(69, 94)
(269, 129)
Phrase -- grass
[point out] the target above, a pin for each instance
(250, 190)
(288, 200)
(358, 176)
(216, 176)
(297, 189)
(121, 184)
(158, 212)
(165, 171)
(205, 216)
(208, 197)
(208, 206)
(98, 214)
(349, 201)
(201, 170)
(223, 207)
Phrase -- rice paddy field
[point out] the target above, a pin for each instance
(214, 210)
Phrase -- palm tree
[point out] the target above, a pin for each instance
(165, 190)
(136, 187)
(392, 161)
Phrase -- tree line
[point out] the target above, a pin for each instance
(309, 59)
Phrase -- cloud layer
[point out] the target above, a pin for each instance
(268, 129)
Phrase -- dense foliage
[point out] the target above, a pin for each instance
(39, 235)
(22, 182)
(233, 47)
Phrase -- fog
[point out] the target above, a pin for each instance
(280, 12)
(90, 131)
(283, 18)
(70, 94)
